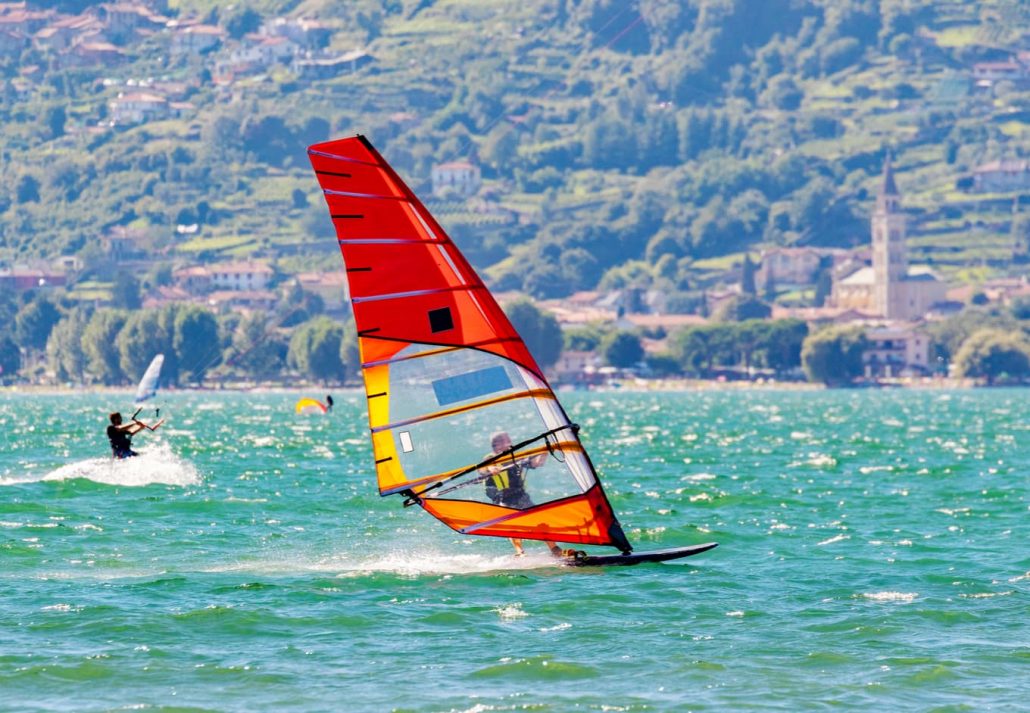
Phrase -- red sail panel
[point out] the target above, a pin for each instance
(372, 208)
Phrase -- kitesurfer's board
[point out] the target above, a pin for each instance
(673, 553)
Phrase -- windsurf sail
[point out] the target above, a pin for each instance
(151, 377)
(307, 405)
(445, 372)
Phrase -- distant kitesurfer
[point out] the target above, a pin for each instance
(120, 435)
(328, 403)
(506, 484)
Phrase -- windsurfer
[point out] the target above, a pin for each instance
(506, 484)
(328, 402)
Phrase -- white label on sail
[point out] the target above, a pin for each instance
(406, 446)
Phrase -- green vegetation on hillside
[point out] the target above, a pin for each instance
(615, 130)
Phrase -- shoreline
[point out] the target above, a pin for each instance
(616, 385)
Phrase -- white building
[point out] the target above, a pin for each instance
(1002, 176)
(307, 33)
(240, 275)
(794, 266)
(138, 107)
(997, 71)
(263, 50)
(461, 177)
(196, 38)
(899, 350)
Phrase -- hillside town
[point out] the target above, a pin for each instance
(251, 244)
(873, 288)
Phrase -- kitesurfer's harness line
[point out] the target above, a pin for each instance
(412, 498)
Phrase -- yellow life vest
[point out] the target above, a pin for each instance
(500, 479)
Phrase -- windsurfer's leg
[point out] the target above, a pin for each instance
(517, 544)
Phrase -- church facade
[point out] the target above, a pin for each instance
(889, 288)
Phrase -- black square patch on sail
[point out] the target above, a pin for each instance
(440, 320)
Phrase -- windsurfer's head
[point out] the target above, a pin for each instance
(500, 441)
(116, 418)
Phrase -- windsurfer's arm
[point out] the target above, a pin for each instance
(535, 461)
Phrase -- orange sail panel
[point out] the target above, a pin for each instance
(462, 420)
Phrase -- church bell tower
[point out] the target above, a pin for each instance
(889, 262)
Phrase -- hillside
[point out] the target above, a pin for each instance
(651, 142)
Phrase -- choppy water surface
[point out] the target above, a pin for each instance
(875, 553)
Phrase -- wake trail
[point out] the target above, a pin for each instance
(405, 563)
(156, 464)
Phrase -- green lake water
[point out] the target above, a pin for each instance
(874, 555)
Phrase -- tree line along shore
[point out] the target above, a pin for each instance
(50, 342)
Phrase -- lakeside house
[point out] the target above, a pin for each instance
(896, 350)
(577, 367)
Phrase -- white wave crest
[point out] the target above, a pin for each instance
(904, 597)
(405, 563)
(156, 464)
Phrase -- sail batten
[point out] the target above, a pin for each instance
(446, 375)
(415, 293)
(323, 154)
(541, 393)
(387, 241)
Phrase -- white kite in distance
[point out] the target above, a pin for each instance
(148, 384)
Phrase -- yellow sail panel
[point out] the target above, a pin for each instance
(377, 380)
(389, 473)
